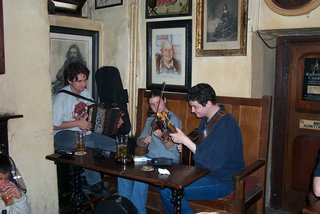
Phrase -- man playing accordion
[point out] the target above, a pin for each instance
(70, 117)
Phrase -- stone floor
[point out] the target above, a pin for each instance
(274, 211)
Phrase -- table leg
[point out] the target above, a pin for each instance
(177, 195)
(78, 195)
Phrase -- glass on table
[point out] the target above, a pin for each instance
(81, 143)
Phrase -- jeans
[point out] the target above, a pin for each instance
(135, 191)
(202, 189)
(66, 140)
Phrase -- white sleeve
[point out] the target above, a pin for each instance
(20, 206)
(58, 110)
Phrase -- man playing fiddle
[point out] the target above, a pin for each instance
(158, 146)
(218, 148)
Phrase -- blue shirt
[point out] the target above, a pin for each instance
(221, 151)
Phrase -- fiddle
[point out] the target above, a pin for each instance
(163, 116)
(162, 122)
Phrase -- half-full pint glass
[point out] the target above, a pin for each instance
(81, 143)
(122, 146)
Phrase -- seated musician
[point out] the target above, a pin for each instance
(217, 148)
(316, 179)
(66, 122)
(157, 146)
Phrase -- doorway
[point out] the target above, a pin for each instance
(296, 121)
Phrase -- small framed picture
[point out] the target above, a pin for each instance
(107, 3)
(168, 8)
(169, 55)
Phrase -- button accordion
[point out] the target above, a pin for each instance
(103, 118)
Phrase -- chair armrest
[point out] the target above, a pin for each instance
(240, 184)
(249, 170)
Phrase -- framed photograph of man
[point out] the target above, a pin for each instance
(169, 55)
(72, 45)
(168, 8)
(2, 66)
(221, 27)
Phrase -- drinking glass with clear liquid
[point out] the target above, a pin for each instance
(81, 143)
(122, 146)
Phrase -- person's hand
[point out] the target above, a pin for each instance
(179, 147)
(158, 133)
(84, 125)
(146, 140)
(11, 189)
(120, 121)
(179, 137)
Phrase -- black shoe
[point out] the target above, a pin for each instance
(98, 190)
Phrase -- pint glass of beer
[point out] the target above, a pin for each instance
(122, 146)
(81, 143)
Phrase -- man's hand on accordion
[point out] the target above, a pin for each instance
(83, 124)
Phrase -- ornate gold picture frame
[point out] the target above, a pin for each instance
(221, 27)
(292, 8)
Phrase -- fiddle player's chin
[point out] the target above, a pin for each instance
(197, 115)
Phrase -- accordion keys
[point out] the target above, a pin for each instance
(103, 119)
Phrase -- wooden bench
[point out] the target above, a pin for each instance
(253, 117)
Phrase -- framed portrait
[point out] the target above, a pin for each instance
(292, 8)
(107, 3)
(73, 45)
(221, 27)
(168, 8)
(2, 65)
(169, 55)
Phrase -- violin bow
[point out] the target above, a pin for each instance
(161, 95)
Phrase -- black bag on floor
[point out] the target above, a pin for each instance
(115, 204)
(110, 90)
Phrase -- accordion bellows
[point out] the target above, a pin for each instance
(104, 119)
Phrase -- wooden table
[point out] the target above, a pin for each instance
(180, 175)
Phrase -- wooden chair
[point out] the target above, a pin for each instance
(312, 209)
(253, 117)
